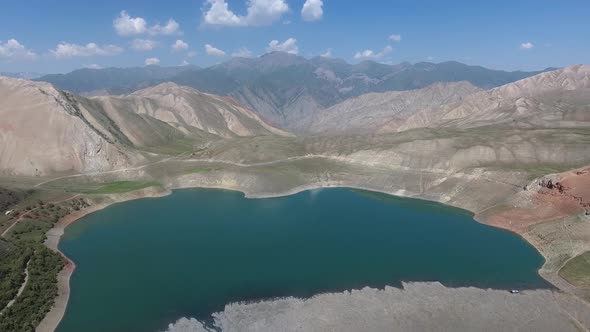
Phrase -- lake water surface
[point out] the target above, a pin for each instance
(143, 264)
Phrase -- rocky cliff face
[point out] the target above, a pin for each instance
(43, 131)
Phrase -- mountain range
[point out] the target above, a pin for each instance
(555, 99)
(46, 130)
(23, 75)
(283, 88)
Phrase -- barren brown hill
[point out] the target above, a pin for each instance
(43, 131)
(48, 131)
(189, 109)
(559, 98)
(384, 112)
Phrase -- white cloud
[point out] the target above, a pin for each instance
(219, 14)
(93, 66)
(364, 54)
(12, 49)
(152, 61)
(289, 46)
(395, 38)
(526, 46)
(370, 54)
(259, 12)
(171, 28)
(143, 44)
(67, 50)
(312, 10)
(184, 63)
(126, 25)
(179, 45)
(211, 50)
(242, 53)
(264, 12)
(327, 54)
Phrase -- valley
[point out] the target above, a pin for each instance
(487, 146)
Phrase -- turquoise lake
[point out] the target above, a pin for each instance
(142, 265)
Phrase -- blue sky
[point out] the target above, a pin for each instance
(59, 36)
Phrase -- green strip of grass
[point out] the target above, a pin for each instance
(577, 271)
(119, 187)
(537, 172)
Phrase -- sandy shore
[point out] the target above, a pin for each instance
(51, 321)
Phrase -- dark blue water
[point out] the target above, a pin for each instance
(143, 264)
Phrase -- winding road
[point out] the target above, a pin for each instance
(20, 290)
(109, 172)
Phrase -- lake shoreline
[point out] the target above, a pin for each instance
(58, 310)
(54, 317)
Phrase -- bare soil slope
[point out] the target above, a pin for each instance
(559, 98)
(190, 109)
(46, 131)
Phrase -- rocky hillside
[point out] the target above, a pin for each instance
(560, 98)
(44, 131)
(555, 99)
(189, 109)
(47, 131)
(384, 112)
(283, 88)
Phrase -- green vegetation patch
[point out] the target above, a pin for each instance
(6, 248)
(9, 198)
(35, 223)
(118, 187)
(24, 244)
(539, 171)
(577, 271)
(173, 148)
(39, 294)
(12, 266)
